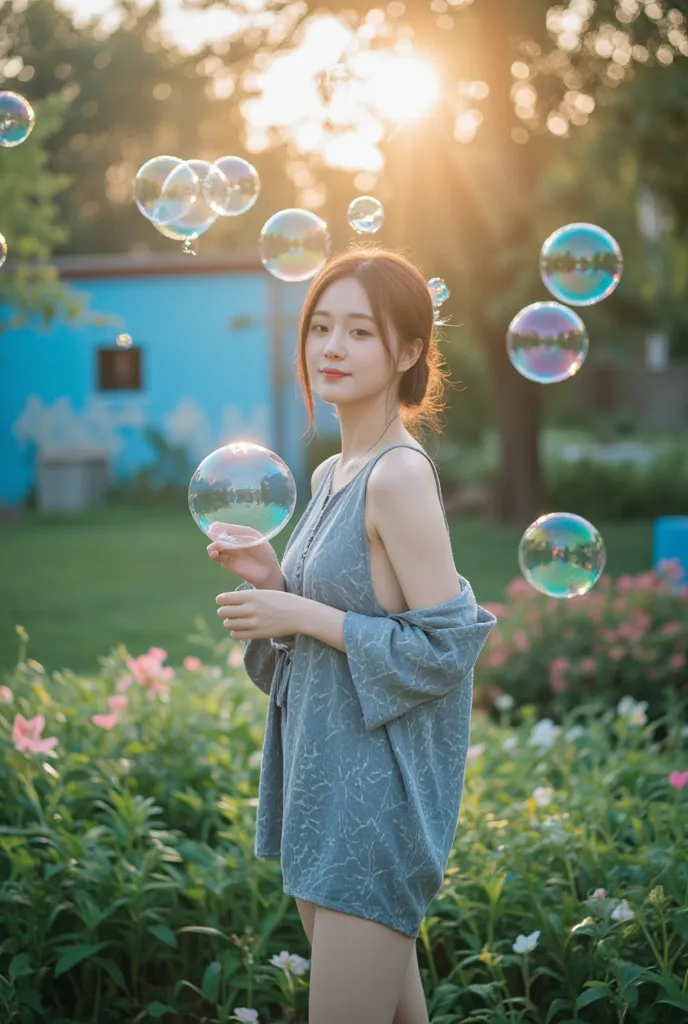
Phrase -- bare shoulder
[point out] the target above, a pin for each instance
(400, 465)
(319, 474)
(401, 481)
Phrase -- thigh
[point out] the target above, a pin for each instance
(358, 969)
(307, 914)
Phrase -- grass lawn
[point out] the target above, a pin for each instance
(84, 583)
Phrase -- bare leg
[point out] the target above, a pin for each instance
(358, 970)
(412, 1008)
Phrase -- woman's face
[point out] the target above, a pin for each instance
(343, 336)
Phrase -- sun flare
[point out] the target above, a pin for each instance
(403, 88)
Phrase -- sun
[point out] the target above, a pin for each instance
(402, 88)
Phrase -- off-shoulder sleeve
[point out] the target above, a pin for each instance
(260, 656)
(400, 661)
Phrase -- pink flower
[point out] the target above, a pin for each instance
(677, 660)
(235, 658)
(496, 659)
(557, 671)
(26, 735)
(671, 568)
(192, 663)
(617, 653)
(519, 588)
(118, 702)
(678, 779)
(148, 671)
(495, 607)
(587, 666)
(105, 721)
(599, 894)
(6, 695)
(672, 628)
(123, 683)
(475, 751)
(521, 642)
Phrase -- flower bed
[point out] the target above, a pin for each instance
(628, 636)
(129, 890)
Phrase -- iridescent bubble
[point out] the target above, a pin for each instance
(581, 264)
(561, 555)
(200, 215)
(439, 293)
(547, 342)
(17, 119)
(3, 250)
(148, 186)
(294, 245)
(366, 215)
(242, 494)
(234, 188)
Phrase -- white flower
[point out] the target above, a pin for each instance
(623, 912)
(299, 966)
(510, 743)
(575, 733)
(245, 1015)
(544, 733)
(282, 960)
(638, 716)
(556, 832)
(526, 943)
(633, 711)
(599, 894)
(290, 963)
(542, 796)
(504, 702)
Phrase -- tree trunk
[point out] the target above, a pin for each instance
(517, 499)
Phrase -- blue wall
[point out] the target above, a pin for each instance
(218, 364)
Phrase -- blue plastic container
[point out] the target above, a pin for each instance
(670, 540)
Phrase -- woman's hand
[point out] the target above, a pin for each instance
(257, 564)
(259, 614)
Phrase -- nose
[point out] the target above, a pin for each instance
(333, 346)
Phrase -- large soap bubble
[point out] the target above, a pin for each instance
(581, 264)
(234, 188)
(186, 190)
(366, 215)
(243, 490)
(294, 245)
(547, 342)
(17, 119)
(562, 555)
(148, 187)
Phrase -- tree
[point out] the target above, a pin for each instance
(483, 201)
(131, 95)
(28, 201)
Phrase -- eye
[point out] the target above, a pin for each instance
(315, 328)
(362, 333)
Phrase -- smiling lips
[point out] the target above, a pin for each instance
(334, 373)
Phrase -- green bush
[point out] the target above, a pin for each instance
(622, 491)
(624, 637)
(129, 890)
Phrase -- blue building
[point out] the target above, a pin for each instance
(212, 359)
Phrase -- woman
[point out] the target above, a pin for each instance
(364, 639)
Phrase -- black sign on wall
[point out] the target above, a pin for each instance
(119, 369)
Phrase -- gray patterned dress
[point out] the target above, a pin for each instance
(365, 752)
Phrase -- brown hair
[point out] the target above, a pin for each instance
(398, 296)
